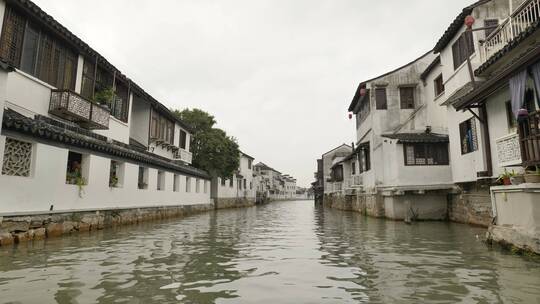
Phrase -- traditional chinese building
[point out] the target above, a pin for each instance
(77, 133)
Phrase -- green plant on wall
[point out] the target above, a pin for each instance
(104, 96)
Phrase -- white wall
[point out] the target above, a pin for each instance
(227, 191)
(140, 121)
(398, 174)
(47, 186)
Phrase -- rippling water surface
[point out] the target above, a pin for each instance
(288, 252)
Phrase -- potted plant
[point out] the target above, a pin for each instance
(104, 97)
(504, 178)
(533, 176)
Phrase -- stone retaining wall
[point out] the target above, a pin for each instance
(18, 229)
(226, 203)
(472, 206)
(367, 204)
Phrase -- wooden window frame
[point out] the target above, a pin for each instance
(462, 49)
(438, 85)
(429, 151)
(464, 127)
(381, 98)
(404, 104)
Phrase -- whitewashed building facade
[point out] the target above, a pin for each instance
(238, 190)
(76, 133)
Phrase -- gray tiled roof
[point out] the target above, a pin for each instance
(42, 129)
(418, 137)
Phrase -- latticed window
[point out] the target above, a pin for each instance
(426, 154)
(17, 158)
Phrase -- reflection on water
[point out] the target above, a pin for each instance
(285, 252)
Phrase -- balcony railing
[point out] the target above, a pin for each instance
(184, 156)
(73, 107)
(522, 18)
(529, 140)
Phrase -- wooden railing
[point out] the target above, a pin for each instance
(529, 140)
(73, 107)
(527, 14)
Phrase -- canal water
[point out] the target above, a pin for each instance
(289, 252)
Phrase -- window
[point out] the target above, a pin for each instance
(245, 184)
(116, 174)
(380, 98)
(231, 181)
(197, 185)
(462, 49)
(17, 158)
(510, 118)
(468, 136)
(161, 180)
(426, 154)
(439, 85)
(406, 95)
(142, 180)
(161, 128)
(364, 158)
(188, 184)
(250, 185)
(176, 183)
(490, 25)
(250, 162)
(87, 85)
(353, 168)
(36, 52)
(337, 173)
(222, 181)
(76, 169)
(183, 139)
(239, 183)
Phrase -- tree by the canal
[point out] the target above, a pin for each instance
(213, 150)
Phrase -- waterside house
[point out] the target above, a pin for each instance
(237, 191)
(474, 121)
(508, 104)
(78, 134)
(273, 185)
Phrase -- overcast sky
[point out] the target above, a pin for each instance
(277, 74)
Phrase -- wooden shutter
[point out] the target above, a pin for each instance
(406, 95)
(12, 37)
(183, 139)
(45, 59)
(380, 98)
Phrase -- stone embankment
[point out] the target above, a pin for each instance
(19, 229)
(228, 203)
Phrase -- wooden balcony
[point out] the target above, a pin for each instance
(529, 140)
(73, 107)
(526, 15)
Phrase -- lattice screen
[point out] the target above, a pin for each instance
(17, 158)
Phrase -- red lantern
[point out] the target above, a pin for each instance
(469, 21)
(350, 115)
(362, 91)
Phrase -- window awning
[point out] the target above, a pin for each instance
(418, 137)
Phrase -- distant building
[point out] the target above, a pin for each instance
(237, 190)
